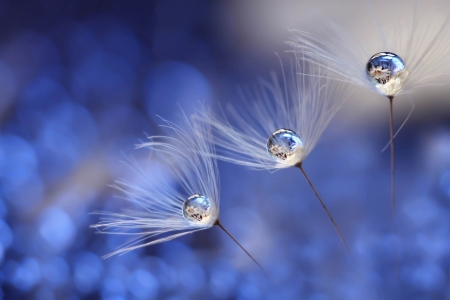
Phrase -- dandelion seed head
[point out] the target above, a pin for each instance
(387, 71)
(177, 196)
(417, 41)
(197, 210)
(285, 145)
(279, 122)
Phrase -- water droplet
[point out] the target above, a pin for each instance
(197, 209)
(285, 146)
(387, 72)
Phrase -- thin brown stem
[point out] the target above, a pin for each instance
(391, 133)
(249, 255)
(324, 207)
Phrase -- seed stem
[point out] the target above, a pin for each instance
(300, 166)
(391, 133)
(249, 255)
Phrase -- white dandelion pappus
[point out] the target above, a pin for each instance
(290, 117)
(160, 205)
(411, 49)
(278, 126)
(161, 208)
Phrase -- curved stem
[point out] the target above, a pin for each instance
(249, 255)
(324, 207)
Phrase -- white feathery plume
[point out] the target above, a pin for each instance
(159, 204)
(419, 36)
(277, 125)
(304, 104)
(411, 49)
(164, 209)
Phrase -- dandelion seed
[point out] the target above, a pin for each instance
(163, 209)
(397, 63)
(408, 44)
(277, 128)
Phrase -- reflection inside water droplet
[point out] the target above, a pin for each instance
(285, 146)
(387, 72)
(197, 209)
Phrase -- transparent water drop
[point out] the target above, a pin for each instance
(197, 209)
(285, 146)
(387, 71)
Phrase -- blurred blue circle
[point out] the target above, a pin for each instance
(88, 269)
(56, 271)
(143, 284)
(172, 85)
(57, 228)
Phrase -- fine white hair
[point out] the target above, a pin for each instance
(304, 102)
(158, 202)
(418, 33)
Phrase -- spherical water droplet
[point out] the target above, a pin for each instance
(285, 146)
(197, 209)
(387, 71)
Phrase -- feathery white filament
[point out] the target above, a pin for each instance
(420, 37)
(304, 105)
(158, 206)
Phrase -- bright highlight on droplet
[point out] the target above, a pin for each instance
(387, 71)
(285, 146)
(197, 209)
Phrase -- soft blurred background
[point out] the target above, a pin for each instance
(81, 82)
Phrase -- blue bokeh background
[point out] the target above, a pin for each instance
(81, 82)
